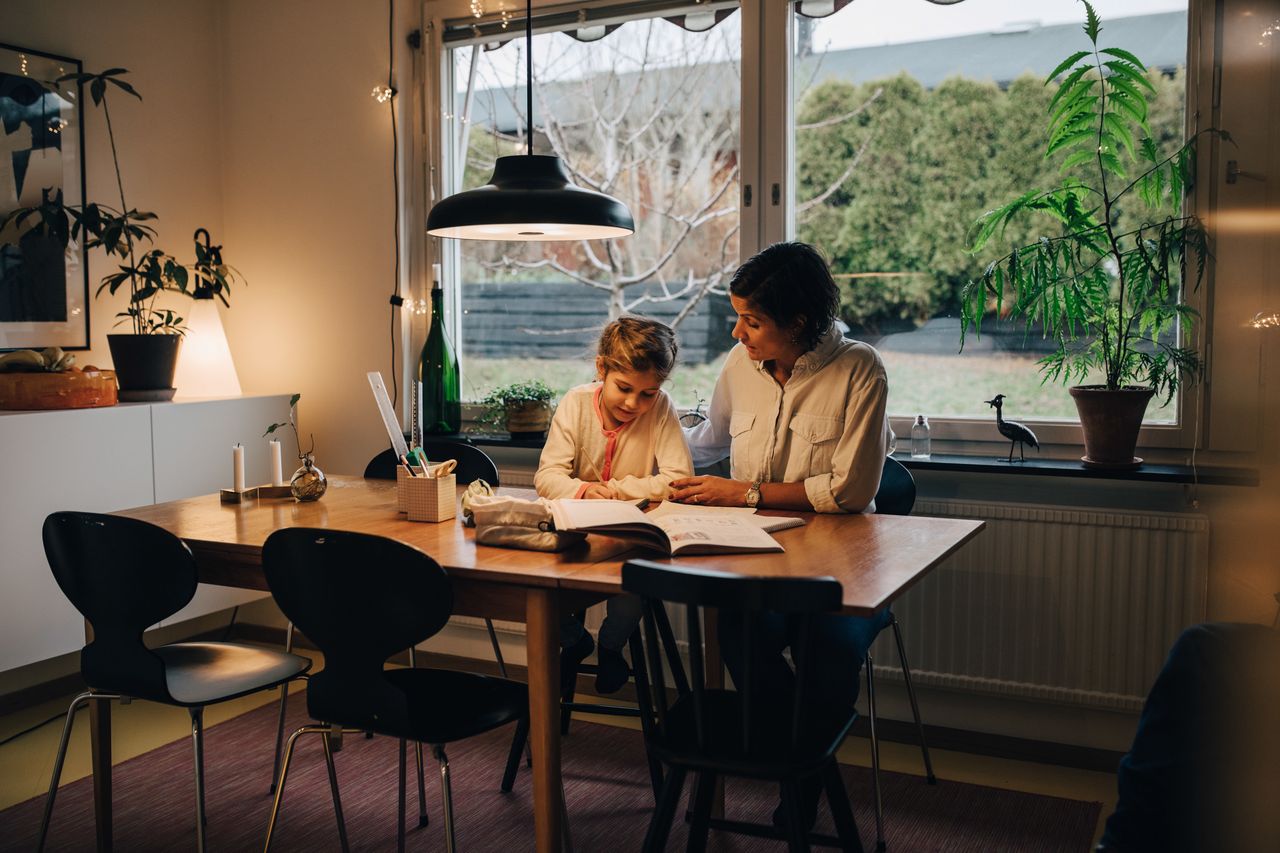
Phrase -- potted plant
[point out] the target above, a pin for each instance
(144, 359)
(522, 409)
(1108, 283)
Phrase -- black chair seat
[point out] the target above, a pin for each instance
(204, 673)
(772, 754)
(445, 706)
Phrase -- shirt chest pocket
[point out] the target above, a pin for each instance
(740, 424)
(813, 441)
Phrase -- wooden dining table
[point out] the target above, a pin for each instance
(875, 557)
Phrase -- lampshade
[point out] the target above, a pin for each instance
(530, 197)
(205, 368)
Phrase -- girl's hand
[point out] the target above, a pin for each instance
(710, 491)
(598, 491)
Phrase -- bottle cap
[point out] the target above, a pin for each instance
(920, 420)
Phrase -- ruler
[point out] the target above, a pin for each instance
(389, 419)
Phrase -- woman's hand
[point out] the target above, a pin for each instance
(710, 491)
(598, 491)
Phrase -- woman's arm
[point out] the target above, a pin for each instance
(709, 441)
(720, 491)
(859, 454)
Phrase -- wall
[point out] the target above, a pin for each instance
(167, 143)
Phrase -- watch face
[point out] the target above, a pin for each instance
(753, 497)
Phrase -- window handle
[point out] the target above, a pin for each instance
(1234, 173)
(776, 194)
(746, 195)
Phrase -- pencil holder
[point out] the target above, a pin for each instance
(429, 499)
(401, 476)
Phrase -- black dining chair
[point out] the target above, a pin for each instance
(362, 599)
(125, 575)
(896, 495)
(716, 733)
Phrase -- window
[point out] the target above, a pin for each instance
(909, 120)
(643, 108)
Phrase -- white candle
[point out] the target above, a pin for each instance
(237, 461)
(277, 467)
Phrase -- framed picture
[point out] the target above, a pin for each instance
(44, 284)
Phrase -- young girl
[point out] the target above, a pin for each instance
(617, 437)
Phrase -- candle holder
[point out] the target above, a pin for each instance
(231, 496)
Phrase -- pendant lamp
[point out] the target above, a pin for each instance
(530, 196)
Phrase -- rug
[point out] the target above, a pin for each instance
(606, 785)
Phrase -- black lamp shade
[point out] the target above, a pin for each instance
(530, 197)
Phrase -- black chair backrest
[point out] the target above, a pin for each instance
(360, 599)
(124, 576)
(799, 598)
(473, 463)
(897, 492)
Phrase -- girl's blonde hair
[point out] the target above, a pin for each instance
(637, 344)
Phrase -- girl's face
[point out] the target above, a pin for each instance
(763, 338)
(627, 394)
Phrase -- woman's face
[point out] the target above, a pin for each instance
(763, 338)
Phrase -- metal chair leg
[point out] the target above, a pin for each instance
(333, 788)
(438, 751)
(417, 749)
(875, 752)
(284, 775)
(400, 801)
(911, 694)
(72, 709)
(284, 702)
(197, 739)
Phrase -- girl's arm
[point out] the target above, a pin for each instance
(671, 458)
(556, 465)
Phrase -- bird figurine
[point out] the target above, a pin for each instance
(1012, 430)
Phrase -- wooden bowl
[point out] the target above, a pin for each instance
(68, 390)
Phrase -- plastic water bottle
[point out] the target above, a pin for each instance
(920, 438)
(891, 446)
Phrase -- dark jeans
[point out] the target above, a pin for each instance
(1204, 767)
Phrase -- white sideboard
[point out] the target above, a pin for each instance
(100, 460)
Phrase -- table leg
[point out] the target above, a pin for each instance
(714, 664)
(543, 624)
(100, 751)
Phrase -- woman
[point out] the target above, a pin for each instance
(800, 412)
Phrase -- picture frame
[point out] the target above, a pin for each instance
(44, 285)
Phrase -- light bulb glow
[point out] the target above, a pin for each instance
(205, 368)
(382, 94)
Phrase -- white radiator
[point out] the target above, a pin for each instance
(1065, 605)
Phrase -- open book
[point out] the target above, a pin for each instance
(673, 528)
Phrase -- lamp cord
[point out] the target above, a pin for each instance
(528, 70)
(395, 188)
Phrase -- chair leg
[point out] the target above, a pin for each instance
(284, 775)
(797, 841)
(911, 694)
(841, 811)
(518, 743)
(333, 789)
(703, 793)
(400, 801)
(417, 749)
(502, 669)
(284, 702)
(644, 699)
(438, 751)
(72, 709)
(655, 840)
(197, 739)
(875, 752)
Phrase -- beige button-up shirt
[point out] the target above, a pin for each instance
(826, 427)
(639, 459)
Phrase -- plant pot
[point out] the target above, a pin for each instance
(1111, 420)
(144, 365)
(528, 419)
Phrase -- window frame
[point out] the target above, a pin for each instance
(767, 160)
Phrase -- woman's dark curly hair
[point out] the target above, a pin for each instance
(790, 281)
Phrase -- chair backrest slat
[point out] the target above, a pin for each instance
(651, 642)
(693, 628)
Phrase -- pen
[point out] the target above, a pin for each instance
(643, 504)
(407, 466)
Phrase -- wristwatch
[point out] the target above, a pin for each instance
(753, 494)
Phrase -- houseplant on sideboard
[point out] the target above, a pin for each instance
(1109, 284)
(145, 358)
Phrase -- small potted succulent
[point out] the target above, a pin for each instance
(523, 409)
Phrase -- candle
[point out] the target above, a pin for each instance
(237, 461)
(277, 468)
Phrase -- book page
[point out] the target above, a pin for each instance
(767, 523)
(710, 533)
(573, 514)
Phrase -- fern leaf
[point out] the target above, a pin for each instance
(1131, 72)
(1073, 82)
(1121, 133)
(1069, 140)
(1120, 53)
(1065, 64)
(1092, 24)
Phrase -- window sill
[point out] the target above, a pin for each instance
(1148, 473)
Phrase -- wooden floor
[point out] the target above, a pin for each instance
(141, 726)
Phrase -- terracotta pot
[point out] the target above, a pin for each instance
(144, 365)
(531, 418)
(1111, 420)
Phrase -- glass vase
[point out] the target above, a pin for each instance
(308, 483)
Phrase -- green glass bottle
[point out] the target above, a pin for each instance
(439, 385)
